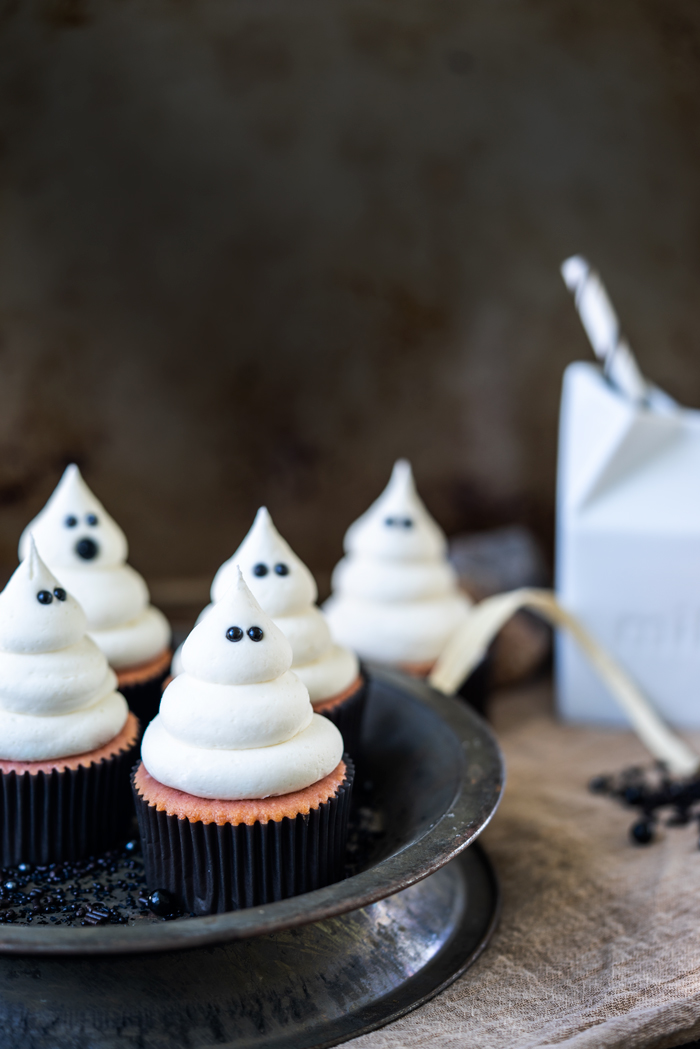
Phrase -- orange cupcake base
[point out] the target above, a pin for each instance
(125, 740)
(418, 669)
(64, 809)
(175, 802)
(226, 855)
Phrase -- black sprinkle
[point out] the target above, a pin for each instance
(650, 791)
(642, 833)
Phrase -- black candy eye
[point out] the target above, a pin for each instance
(44, 597)
(255, 633)
(234, 633)
(282, 569)
(398, 522)
(59, 593)
(71, 521)
(91, 519)
(260, 569)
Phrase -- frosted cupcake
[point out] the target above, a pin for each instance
(243, 794)
(395, 596)
(285, 588)
(67, 739)
(87, 550)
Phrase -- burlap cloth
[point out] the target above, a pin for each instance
(599, 940)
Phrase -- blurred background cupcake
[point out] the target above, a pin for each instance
(395, 595)
(286, 590)
(87, 550)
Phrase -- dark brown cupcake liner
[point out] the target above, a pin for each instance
(347, 718)
(211, 868)
(144, 697)
(58, 816)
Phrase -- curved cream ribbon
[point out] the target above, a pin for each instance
(467, 647)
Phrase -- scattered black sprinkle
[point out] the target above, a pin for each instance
(99, 890)
(163, 903)
(642, 833)
(111, 889)
(650, 791)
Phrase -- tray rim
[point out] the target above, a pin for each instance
(416, 861)
(450, 960)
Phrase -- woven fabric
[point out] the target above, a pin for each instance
(599, 940)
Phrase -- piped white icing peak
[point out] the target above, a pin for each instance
(237, 723)
(57, 692)
(397, 525)
(87, 550)
(33, 588)
(395, 596)
(280, 581)
(286, 589)
(71, 516)
(236, 643)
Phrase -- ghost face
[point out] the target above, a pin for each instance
(236, 642)
(281, 583)
(74, 529)
(36, 613)
(87, 545)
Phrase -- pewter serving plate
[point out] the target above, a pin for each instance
(307, 972)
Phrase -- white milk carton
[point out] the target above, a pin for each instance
(628, 529)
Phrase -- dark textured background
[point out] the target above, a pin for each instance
(252, 250)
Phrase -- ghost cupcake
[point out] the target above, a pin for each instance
(87, 551)
(243, 792)
(395, 596)
(285, 588)
(67, 739)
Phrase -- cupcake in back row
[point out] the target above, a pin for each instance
(67, 739)
(243, 792)
(87, 551)
(395, 595)
(286, 590)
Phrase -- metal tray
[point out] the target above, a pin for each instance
(302, 972)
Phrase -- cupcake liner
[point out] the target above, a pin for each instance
(58, 816)
(144, 697)
(347, 718)
(212, 868)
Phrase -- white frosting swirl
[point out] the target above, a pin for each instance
(87, 549)
(57, 692)
(237, 723)
(286, 589)
(395, 596)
